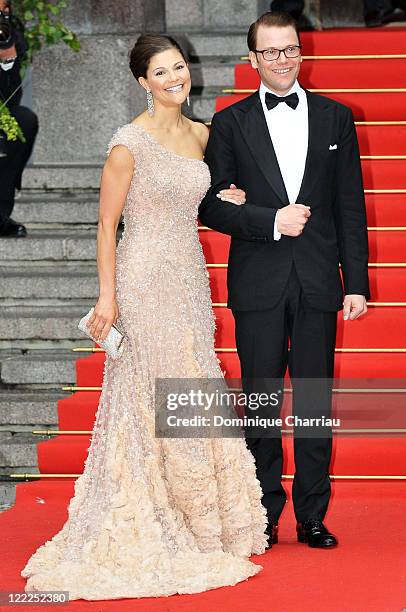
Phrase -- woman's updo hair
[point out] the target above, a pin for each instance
(146, 47)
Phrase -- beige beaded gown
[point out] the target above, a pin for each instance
(155, 516)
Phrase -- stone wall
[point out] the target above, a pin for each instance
(211, 14)
(81, 98)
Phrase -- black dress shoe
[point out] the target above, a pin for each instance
(12, 229)
(315, 534)
(272, 533)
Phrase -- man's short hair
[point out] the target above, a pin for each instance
(277, 19)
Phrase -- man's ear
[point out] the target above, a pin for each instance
(253, 59)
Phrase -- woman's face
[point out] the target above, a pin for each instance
(168, 78)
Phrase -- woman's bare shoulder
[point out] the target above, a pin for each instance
(140, 119)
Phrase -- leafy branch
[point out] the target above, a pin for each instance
(41, 25)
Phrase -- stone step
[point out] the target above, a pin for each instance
(28, 344)
(218, 44)
(62, 244)
(27, 409)
(49, 281)
(57, 207)
(18, 449)
(203, 102)
(7, 494)
(41, 322)
(213, 73)
(203, 105)
(62, 176)
(21, 413)
(37, 369)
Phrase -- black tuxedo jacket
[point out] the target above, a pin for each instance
(240, 151)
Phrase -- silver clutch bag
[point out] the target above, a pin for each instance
(113, 344)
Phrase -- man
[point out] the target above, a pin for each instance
(296, 155)
(17, 152)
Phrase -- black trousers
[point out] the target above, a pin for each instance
(295, 7)
(12, 166)
(262, 339)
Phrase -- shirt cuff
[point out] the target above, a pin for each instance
(276, 234)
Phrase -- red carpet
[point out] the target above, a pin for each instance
(354, 41)
(381, 139)
(367, 571)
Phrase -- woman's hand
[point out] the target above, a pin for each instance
(233, 195)
(104, 315)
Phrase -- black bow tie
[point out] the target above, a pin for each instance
(271, 100)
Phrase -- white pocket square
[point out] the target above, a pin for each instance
(332, 147)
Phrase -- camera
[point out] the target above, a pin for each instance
(7, 33)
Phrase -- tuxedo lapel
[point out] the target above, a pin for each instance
(318, 123)
(255, 132)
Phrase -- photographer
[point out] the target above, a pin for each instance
(16, 153)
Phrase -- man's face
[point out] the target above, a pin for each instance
(4, 6)
(280, 74)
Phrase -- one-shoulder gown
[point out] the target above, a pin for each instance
(156, 516)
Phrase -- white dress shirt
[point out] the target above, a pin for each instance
(289, 132)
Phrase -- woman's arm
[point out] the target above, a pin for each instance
(233, 194)
(115, 182)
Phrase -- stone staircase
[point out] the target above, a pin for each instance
(48, 280)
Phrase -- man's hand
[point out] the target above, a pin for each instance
(8, 53)
(354, 307)
(291, 219)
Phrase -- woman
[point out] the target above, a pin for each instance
(150, 516)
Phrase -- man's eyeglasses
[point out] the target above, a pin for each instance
(270, 55)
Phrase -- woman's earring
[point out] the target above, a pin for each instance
(188, 101)
(150, 103)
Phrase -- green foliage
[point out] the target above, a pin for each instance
(42, 26)
(9, 125)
